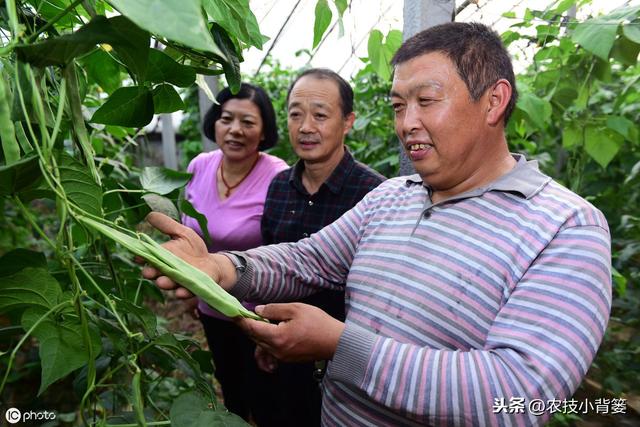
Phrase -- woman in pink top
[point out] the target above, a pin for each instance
(229, 187)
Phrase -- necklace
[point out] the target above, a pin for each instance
(231, 187)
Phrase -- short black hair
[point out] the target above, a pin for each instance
(476, 50)
(346, 93)
(255, 94)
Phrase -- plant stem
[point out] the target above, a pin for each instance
(53, 20)
(108, 300)
(13, 18)
(33, 223)
(122, 190)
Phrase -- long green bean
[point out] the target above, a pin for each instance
(192, 278)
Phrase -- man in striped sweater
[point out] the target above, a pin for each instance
(474, 289)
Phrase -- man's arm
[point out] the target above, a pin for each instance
(539, 347)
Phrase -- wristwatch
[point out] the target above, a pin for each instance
(239, 262)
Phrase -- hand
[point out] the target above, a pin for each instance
(305, 332)
(264, 360)
(186, 244)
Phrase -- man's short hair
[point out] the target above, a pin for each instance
(346, 93)
(476, 50)
(258, 96)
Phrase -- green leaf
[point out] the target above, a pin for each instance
(17, 259)
(161, 204)
(571, 137)
(341, 5)
(619, 281)
(20, 176)
(538, 110)
(236, 17)
(166, 99)
(632, 32)
(623, 126)
(79, 185)
(393, 41)
(162, 68)
(129, 41)
(162, 180)
(102, 69)
(602, 144)
(29, 287)
(625, 51)
(597, 36)
(193, 409)
(231, 66)
(62, 347)
(49, 9)
(177, 20)
(145, 317)
(322, 20)
(378, 56)
(187, 209)
(128, 106)
(135, 51)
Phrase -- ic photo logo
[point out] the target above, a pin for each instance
(13, 415)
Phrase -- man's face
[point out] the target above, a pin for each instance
(316, 124)
(441, 128)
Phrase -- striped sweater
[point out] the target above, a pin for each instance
(502, 292)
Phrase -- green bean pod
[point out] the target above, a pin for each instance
(180, 271)
(10, 145)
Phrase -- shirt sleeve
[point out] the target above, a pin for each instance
(291, 271)
(540, 346)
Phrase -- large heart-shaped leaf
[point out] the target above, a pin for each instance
(128, 106)
(602, 144)
(130, 42)
(62, 347)
(20, 176)
(162, 180)
(29, 287)
(17, 259)
(102, 69)
(538, 110)
(79, 185)
(162, 68)
(166, 99)
(177, 20)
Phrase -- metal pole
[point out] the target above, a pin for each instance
(419, 15)
(204, 103)
(168, 142)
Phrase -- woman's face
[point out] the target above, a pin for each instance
(239, 129)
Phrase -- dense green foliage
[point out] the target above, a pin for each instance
(77, 81)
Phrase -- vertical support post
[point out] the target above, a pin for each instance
(168, 142)
(205, 103)
(419, 15)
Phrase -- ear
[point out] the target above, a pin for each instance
(348, 122)
(499, 96)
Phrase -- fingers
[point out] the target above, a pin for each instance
(278, 312)
(262, 333)
(166, 225)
